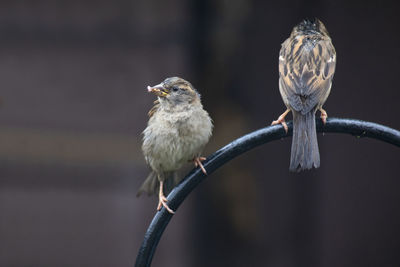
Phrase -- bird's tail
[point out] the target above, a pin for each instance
(151, 184)
(305, 153)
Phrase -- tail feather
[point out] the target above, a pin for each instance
(151, 184)
(305, 152)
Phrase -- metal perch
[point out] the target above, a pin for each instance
(177, 196)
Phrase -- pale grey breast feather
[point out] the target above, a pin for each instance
(168, 148)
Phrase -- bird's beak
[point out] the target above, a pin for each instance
(158, 90)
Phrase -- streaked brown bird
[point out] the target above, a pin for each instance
(307, 63)
(176, 133)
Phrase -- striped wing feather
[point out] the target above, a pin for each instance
(306, 68)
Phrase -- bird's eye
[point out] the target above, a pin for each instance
(175, 89)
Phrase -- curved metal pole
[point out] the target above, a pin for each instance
(179, 193)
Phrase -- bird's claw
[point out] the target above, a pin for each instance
(281, 121)
(324, 115)
(197, 163)
(162, 200)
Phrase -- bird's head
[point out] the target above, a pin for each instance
(174, 91)
(310, 26)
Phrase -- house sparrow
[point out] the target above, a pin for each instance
(307, 63)
(177, 131)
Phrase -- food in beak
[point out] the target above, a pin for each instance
(157, 90)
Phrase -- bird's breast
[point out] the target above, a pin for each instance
(170, 140)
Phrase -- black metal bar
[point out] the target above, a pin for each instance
(177, 196)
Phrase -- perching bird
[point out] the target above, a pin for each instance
(177, 131)
(307, 63)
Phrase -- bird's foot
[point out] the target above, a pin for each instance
(281, 120)
(324, 115)
(163, 203)
(197, 162)
(162, 200)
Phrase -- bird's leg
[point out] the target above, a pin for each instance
(197, 162)
(162, 200)
(281, 120)
(324, 115)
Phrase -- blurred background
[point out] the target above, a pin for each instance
(73, 77)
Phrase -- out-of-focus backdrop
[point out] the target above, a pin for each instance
(73, 77)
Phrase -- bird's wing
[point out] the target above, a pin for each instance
(306, 68)
(154, 108)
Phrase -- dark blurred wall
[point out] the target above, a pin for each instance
(73, 104)
(73, 96)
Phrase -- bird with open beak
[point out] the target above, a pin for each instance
(176, 133)
(307, 63)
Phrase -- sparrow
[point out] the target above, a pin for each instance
(176, 133)
(307, 63)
